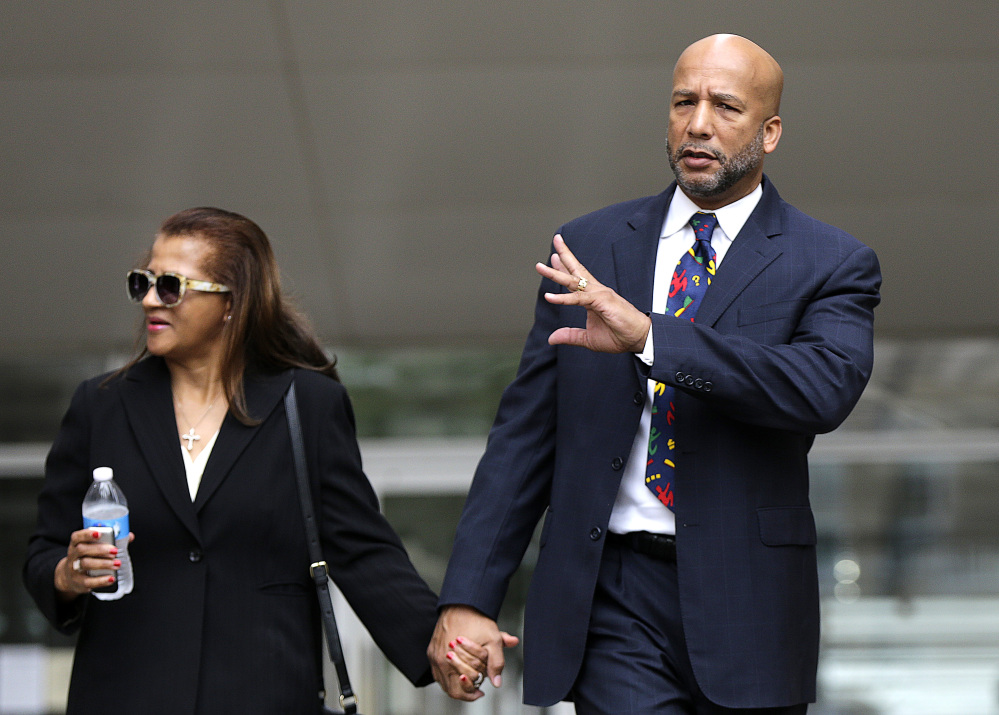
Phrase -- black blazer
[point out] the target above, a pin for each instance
(223, 617)
(781, 350)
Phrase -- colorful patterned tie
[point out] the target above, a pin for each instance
(690, 280)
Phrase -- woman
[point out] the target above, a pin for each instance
(223, 616)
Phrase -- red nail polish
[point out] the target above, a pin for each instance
(450, 656)
(110, 579)
(95, 535)
(450, 644)
(117, 563)
(463, 679)
(113, 551)
(460, 639)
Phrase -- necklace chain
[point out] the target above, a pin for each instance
(193, 436)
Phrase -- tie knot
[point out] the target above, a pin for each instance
(703, 225)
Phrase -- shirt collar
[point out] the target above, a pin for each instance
(731, 217)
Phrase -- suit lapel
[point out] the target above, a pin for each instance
(634, 251)
(263, 393)
(149, 408)
(751, 252)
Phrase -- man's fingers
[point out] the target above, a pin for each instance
(565, 269)
(572, 275)
(495, 664)
(560, 276)
(568, 336)
(573, 296)
(509, 640)
(566, 257)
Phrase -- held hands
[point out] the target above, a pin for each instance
(466, 644)
(613, 325)
(85, 554)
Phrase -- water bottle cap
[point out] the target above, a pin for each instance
(103, 474)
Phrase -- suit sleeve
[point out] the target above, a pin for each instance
(512, 484)
(67, 478)
(811, 383)
(367, 559)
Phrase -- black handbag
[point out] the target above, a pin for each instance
(318, 568)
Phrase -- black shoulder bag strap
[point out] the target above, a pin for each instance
(318, 569)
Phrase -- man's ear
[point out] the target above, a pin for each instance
(771, 133)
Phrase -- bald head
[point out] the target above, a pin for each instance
(762, 76)
(723, 118)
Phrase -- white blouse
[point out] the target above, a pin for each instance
(196, 467)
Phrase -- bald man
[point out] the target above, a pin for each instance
(687, 347)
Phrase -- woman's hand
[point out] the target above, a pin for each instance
(85, 554)
(461, 664)
(468, 660)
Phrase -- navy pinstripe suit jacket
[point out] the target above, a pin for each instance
(781, 350)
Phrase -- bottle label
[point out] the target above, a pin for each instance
(119, 524)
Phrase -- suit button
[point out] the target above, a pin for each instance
(195, 556)
(689, 380)
(708, 386)
(698, 383)
(617, 463)
(595, 533)
(679, 377)
(639, 398)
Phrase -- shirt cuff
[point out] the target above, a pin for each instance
(648, 353)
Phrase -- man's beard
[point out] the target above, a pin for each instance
(731, 170)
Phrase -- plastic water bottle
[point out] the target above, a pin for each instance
(105, 505)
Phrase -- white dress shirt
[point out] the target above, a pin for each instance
(636, 508)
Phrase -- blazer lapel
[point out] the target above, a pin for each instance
(263, 393)
(634, 251)
(750, 253)
(149, 408)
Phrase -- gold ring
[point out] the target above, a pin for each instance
(76, 566)
(581, 285)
